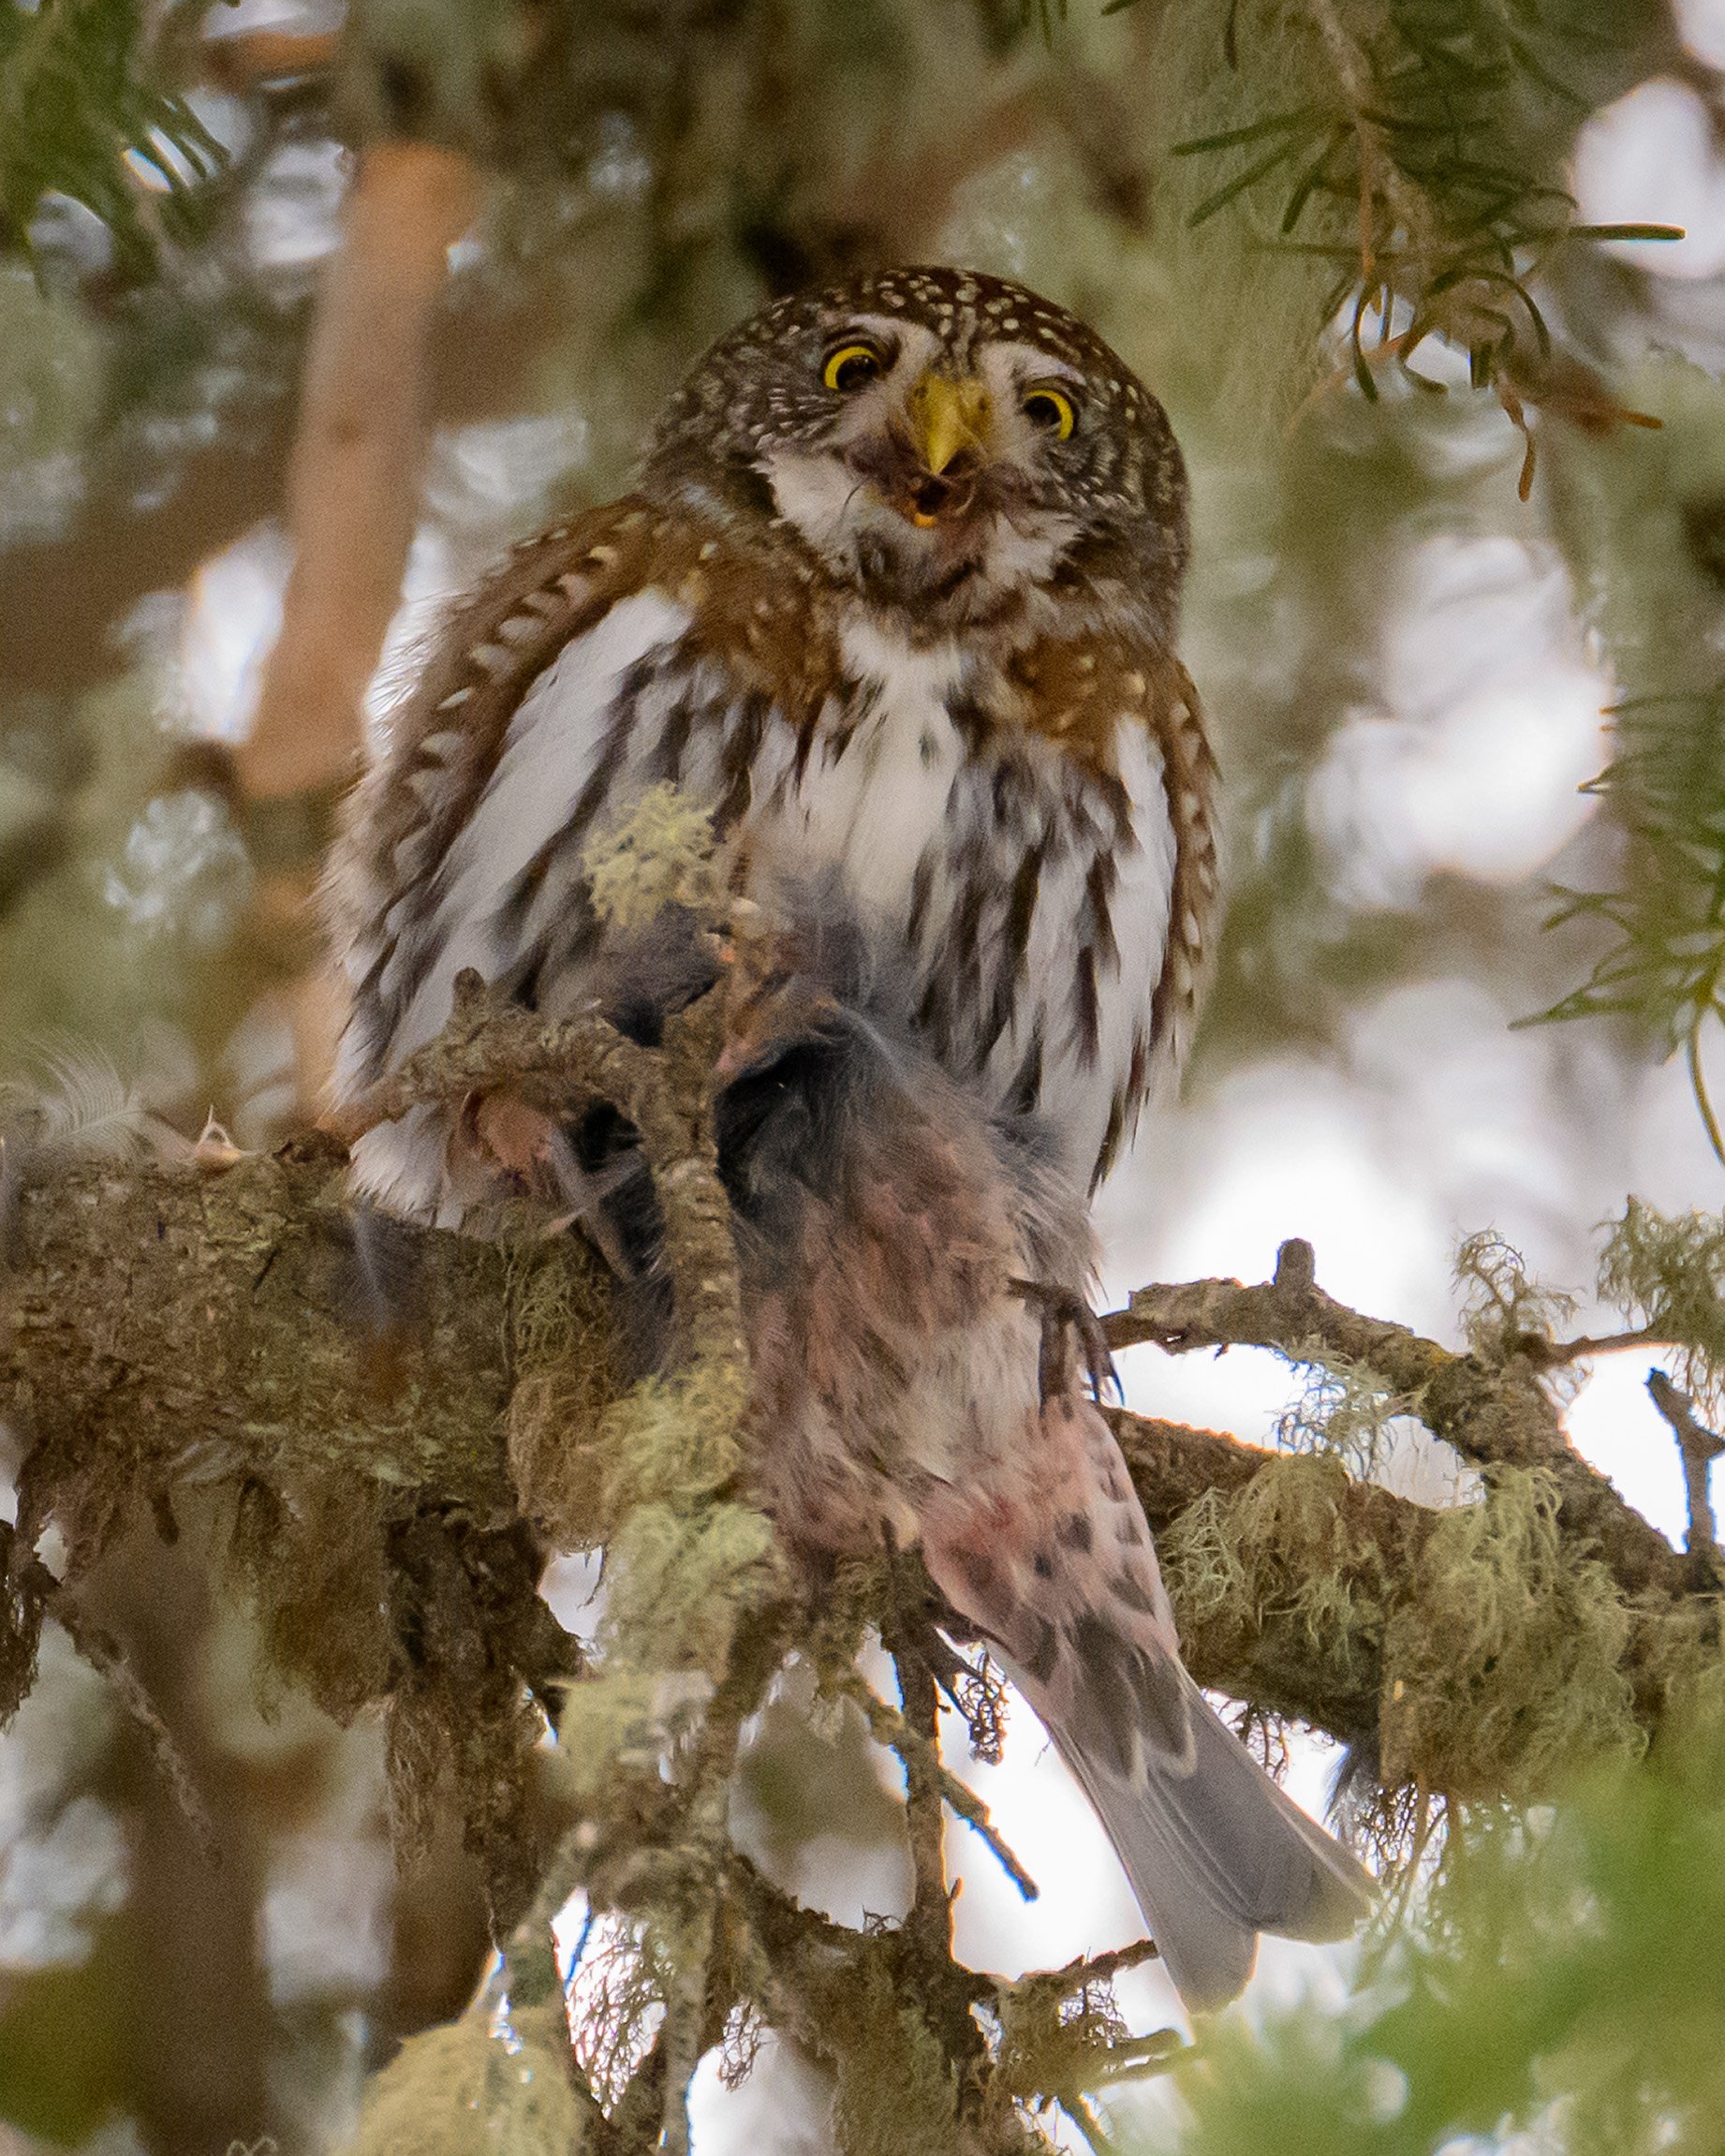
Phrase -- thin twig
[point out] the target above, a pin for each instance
(917, 1743)
(1698, 1447)
(1072, 1977)
(527, 1976)
(1554, 1354)
(1083, 2115)
(889, 1727)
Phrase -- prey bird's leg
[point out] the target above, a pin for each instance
(1067, 1316)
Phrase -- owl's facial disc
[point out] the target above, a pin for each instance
(935, 482)
(950, 444)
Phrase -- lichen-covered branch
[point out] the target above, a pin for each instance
(1495, 1416)
(491, 1042)
(382, 1459)
(1363, 1542)
(166, 1327)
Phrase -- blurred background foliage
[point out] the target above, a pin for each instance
(1557, 1995)
(1459, 467)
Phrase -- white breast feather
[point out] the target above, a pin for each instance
(1077, 1097)
(1142, 893)
(905, 790)
(873, 810)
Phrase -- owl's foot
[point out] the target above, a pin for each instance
(1068, 1323)
(528, 1151)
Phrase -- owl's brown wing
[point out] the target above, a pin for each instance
(627, 646)
(1173, 717)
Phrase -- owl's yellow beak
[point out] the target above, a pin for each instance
(948, 416)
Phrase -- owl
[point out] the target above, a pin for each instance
(895, 602)
(895, 599)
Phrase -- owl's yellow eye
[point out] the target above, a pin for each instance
(1051, 410)
(852, 366)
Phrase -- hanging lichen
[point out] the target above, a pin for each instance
(1282, 1547)
(1504, 1669)
(563, 1356)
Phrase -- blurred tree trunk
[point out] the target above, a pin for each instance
(199, 2030)
(353, 493)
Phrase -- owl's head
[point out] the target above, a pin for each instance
(946, 441)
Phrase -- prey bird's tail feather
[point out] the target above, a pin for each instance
(1215, 1854)
(1060, 1573)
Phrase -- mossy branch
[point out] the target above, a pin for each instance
(1495, 1414)
(197, 1327)
(169, 1329)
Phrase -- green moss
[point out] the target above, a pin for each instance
(895, 2089)
(465, 2091)
(678, 1582)
(658, 852)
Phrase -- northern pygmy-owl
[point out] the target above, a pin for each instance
(895, 596)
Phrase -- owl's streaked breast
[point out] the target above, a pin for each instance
(1029, 889)
(1028, 829)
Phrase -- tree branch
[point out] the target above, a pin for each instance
(1494, 1415)
(164, 1326)
(1698, 1448)
(1264, 1654)
(889, 1727)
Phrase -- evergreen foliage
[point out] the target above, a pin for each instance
(1642, 533)
(1562, 1987)
(1420, 169)
(79, 101)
